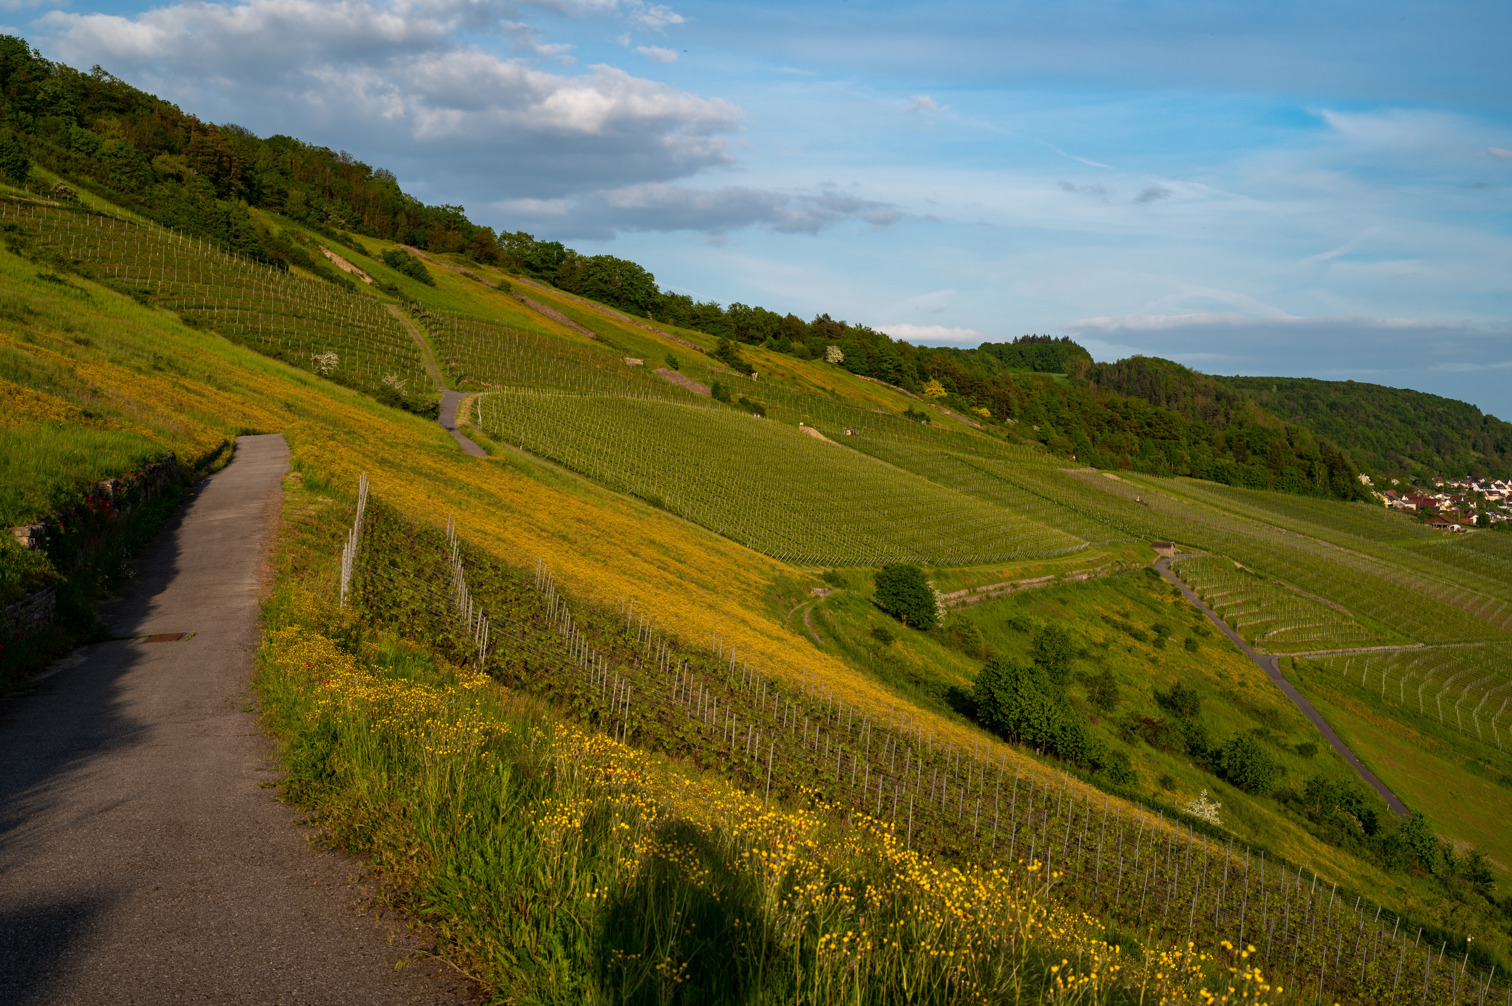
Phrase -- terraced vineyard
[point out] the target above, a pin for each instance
(1270, 616)
(500, 355)
(766, 485)
(1464, 688)
(289, 317)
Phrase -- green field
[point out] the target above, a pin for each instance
(764, 484)
(883, 489)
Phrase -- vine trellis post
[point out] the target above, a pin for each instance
(349, 552)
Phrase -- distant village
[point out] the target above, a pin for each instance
(1455, 505)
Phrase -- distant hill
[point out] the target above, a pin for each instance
(1388, 430)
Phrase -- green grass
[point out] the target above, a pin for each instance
(764, 484)
(1466, 798)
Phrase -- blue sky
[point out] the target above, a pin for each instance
(1292, 188)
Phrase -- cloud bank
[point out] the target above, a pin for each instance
(395, 77)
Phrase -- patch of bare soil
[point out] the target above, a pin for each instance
(346, 266)
(673, 377)
(815, 434)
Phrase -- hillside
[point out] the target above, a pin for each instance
(1389, 431)
(639, 668)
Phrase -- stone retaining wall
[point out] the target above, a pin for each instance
(40, 608)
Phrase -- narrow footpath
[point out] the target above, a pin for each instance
(1272, 668)
(450, 400)
(144, 857)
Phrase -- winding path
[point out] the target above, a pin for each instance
(143, 856)
(1272, 668)
(450, 400)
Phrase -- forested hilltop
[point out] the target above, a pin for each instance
(1391, 430)
(1140, 414)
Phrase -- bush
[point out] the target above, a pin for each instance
(1052, 650)
(1180, 701)
(720, 392)
(403, 262)
(904, 593)
(673, 361)
(752, 406)
(962, 634)
(1245, 763)
(916, 415)
(882, 634)
(727, 354)
(1102, 689)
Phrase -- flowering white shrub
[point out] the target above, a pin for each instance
(832, 354)
(393, 381)
(1204, 808)
(325, 363)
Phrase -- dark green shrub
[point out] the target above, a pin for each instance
(1102, 690)
(673, 361)
(882, 634)
(1244, 762)
(728, 354)
(1052, 650)
(904, 593)
(1180, 700)
(15, 161)
(403, 262)
(720, 392)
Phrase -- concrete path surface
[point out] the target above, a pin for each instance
(141, 858)
(449, 399)
(1272, 668)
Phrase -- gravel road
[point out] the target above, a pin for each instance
(142, 857)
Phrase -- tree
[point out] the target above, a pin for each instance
(934, 389)
(832, 354)
(15, 162)
(904, 593)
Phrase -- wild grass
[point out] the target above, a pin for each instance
(642, 882)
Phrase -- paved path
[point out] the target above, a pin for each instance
(449, 399)
(141, 861)
(1272, 668)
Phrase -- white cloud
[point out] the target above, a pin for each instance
(664, 207)
(935, 334)
(385, 75)
(922, 103)
(1500, 153)
(657, 54)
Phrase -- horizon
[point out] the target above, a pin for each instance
(1290, 192)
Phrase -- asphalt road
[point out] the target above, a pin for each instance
(1272, 668)
(142, 857)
